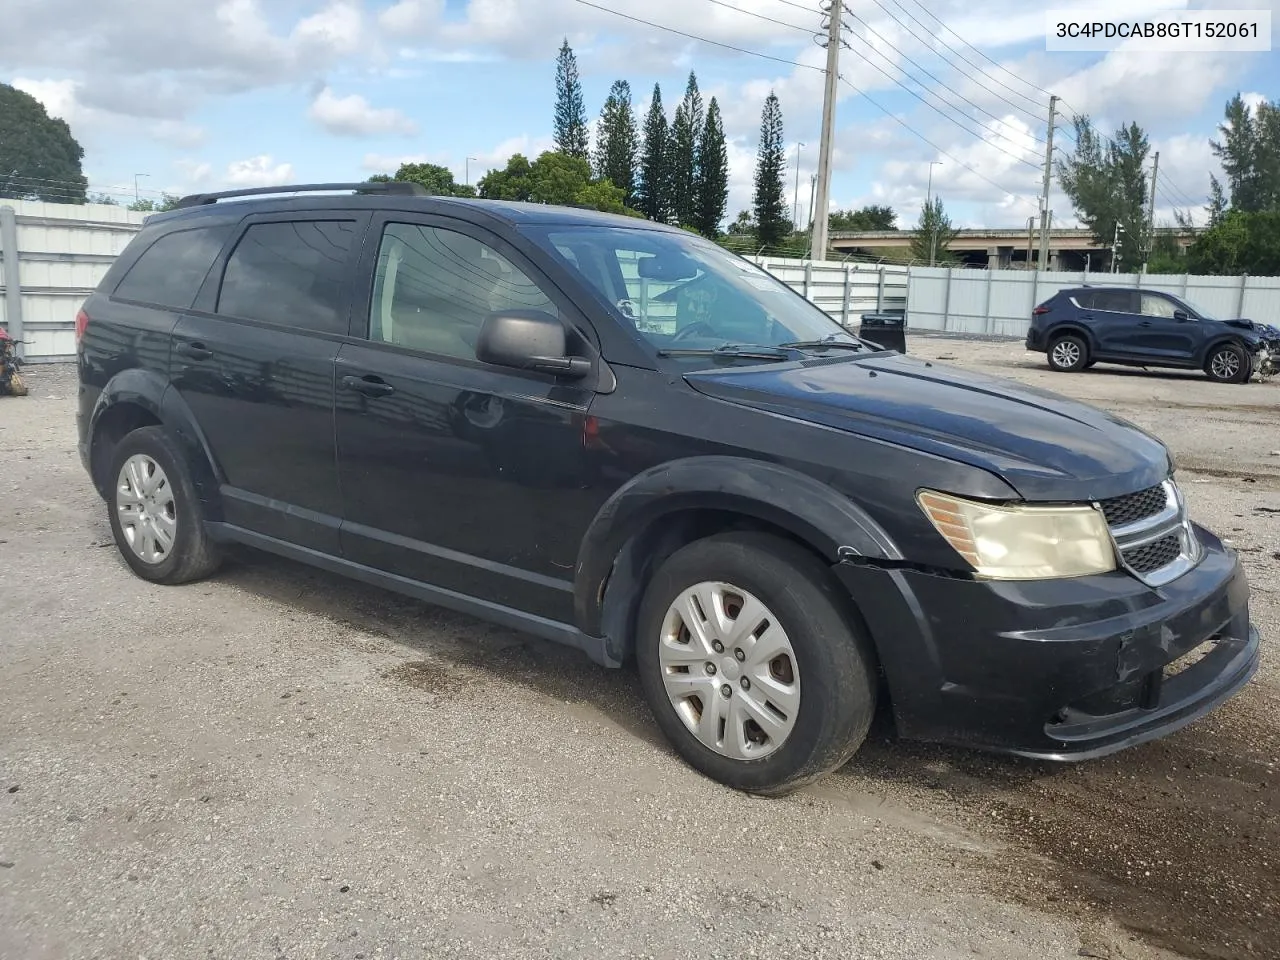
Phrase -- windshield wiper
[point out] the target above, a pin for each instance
(734, 351)
(822, 344)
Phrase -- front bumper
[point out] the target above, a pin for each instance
(1058, 669)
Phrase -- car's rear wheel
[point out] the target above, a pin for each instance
(1068, 353)
(752, 662)
(1228, 363)
(154, 511)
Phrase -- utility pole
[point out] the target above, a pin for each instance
(1151, 212)
(1044, 196)
(928, 208)
(136, 200)
(1115, 245)
(813, 186)
(795, 197)
(468, 171)
(822, 202)
(1031, 240)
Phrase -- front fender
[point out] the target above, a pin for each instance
(829, 522)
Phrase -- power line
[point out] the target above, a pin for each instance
(935, 35)
(870, 29)
(761, 16)
(898, 120)
(691, 36)
(941, 113)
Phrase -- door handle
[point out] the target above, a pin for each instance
(195, 351)
(1145, 323)
(369, 385)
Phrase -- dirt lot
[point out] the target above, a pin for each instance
(277, 763)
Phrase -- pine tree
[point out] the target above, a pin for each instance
(571, 112)
(617, 140)
(653, 198)
(931, 241)
(686, 133)
(713, 174)
(772, 222)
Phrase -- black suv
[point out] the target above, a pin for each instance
(1082, 326)
(619, 436)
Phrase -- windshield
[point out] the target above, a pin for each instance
(686, 295)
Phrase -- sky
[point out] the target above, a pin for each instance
(193, 95)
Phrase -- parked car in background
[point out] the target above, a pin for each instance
(620, 436)
(1079, 327)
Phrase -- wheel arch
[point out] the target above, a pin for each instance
(1219, 341)
(668, 506)
(1073, 328)
(138, 398)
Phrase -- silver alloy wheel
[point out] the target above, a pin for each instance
(1066, 353)
(144, 503)
(1225, 364)
(729, 670)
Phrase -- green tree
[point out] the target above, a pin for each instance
(864, 218)
(570, 131)
(743, 225)
(39, 158)
(770, 206)
(509, 183)
(653, 196)
(1240, 243)
(435, 179)
(102, 198)
(931, 241)
(618, 141)
(1250, 155)
(1106, 181)
(146, 205)
(1167, 254)
(686, 135)
(713, 174)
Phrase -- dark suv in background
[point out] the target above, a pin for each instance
(1079, 327)
(620, 436)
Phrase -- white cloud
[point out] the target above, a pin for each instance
(338, 27)
(179, 134)
(59, 97)
(259, 171)
(410, 17)
(353, 116)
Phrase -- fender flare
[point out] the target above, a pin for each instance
(1079, 330)
(152, 392)
(828, 521)
(1218, 341)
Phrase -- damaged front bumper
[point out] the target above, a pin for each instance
(1266, 359)
(1058, 669)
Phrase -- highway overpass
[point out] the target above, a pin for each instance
(1070, 248)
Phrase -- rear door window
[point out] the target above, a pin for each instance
(1116, 301)
(169, 272)
(291, 273)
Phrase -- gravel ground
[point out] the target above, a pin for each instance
(279, 763)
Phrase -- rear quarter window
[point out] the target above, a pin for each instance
(170, 271)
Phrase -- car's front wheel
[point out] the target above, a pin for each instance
(1228, 364)
(752, 662)
(154, 511)
(1068, 353)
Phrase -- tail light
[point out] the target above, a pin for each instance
(82, 324)
(1039, 311)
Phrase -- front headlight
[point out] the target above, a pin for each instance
(1022, 542)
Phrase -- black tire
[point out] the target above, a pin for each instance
(1218, 365)
(1068, 353)
(833, 657)
(193, 554)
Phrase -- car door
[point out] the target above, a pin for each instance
(1162, 336)
(1112, 315)
(457, 473)
(255, 364)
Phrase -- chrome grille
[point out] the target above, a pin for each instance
(1152, 534)
(1134, 506)
(1155, 555)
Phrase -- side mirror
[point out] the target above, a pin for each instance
(528, 340)
(1181, 315)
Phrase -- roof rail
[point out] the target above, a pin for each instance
(395, 187)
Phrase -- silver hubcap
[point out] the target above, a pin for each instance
(729, 670)
(1225, 365)
(144, 502)
(1066, 354)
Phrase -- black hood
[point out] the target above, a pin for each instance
(1045, 446)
